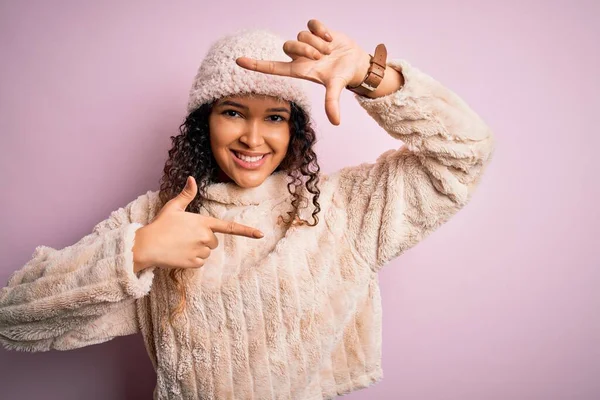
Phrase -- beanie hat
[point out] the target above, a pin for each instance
(220, 76)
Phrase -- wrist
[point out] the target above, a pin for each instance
(361, 72)
(393, 80)
(367, 84)
(139, 259)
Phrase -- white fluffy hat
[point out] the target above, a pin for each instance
(220, 76)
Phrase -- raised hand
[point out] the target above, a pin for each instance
(319, 55)
(180, 239)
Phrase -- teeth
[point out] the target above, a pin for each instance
(247, 158)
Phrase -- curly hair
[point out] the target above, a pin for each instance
(191, 154)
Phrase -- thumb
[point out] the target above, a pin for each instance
(332, 99)
(186, 196)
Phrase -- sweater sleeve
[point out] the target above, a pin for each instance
(408, 192)
(80, 295)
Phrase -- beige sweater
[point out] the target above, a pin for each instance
(295, 315)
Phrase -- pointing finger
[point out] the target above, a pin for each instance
(233, 228)
(265, 66)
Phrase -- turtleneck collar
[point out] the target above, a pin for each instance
(229, 193)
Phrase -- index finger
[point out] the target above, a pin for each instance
(266, 66)
(232, 228)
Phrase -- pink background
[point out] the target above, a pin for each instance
(500, 303)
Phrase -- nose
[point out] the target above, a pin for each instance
(251, 135)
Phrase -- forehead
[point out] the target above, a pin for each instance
(255, 100)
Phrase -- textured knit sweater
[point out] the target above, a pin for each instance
(294, 315)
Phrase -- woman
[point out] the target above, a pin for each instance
(267, 287)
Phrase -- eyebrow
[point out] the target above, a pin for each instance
(243, 107)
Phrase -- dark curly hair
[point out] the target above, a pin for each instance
(191, 154)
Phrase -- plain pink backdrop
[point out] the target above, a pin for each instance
(500, 303)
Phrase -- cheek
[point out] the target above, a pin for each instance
(281, 142)
(218, 144)
(285, 144)
(221, 135)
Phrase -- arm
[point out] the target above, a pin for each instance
(79, 295)
(394, 203)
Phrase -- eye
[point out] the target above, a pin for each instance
(281, 119)
(227, 112)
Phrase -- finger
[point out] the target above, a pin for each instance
(321, 45)
(232, 228)
(185, 197)
(265, 66)
(299, 49)
(203, 252)
(198, 262)
(319, 29)
(212, 242)
(332, 99)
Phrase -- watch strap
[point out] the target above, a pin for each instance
(376, 71)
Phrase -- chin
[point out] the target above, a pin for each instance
(248, 180)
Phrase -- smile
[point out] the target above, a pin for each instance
(248, 162)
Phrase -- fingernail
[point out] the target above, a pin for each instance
(328, 37)
(258, 234)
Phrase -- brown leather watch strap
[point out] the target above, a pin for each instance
(375, 72)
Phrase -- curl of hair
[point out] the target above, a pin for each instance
(191, 155)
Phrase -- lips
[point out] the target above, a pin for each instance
(249, 160)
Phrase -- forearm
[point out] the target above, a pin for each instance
(431, 119)
(411, 190)
(60, 297)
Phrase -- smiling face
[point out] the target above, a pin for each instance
(249, 137)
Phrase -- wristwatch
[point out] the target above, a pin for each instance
(375, 73)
